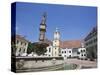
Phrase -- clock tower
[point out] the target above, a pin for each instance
(42, 28)
(56, 43)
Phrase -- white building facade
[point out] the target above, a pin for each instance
(82, 52)
(74, 53)
(54, 49)
(66, 53)
(49, 52)
(21, 46)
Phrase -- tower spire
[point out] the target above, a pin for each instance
(56, 29)
(42, 28)
(43, 21)
(57, 34)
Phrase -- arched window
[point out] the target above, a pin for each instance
(24, 50)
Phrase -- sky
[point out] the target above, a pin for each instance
(73, 22)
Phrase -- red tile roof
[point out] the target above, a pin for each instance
(70, 44)
(21, 38)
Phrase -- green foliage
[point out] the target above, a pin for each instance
(30, 48)
(38, 48)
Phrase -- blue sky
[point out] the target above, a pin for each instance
(73, 22)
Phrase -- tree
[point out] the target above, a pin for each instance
(40, 48)
(30, 48)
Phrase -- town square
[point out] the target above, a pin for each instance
(50, 37)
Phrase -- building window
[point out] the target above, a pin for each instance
(69, 55)
(49, 55)
(24, 50)
(84, 50)
(62, 51)
(49, 49)
(21, 43)
(64, 55)
(59, 51)
(69, 51)
(16, 47)
(25, 44)
(55, 48)
(84, 54)
(78, 52)
(60, 55)
(65, 51)
(81, 51)
(20, 50)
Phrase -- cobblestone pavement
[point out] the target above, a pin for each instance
(82, 63)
